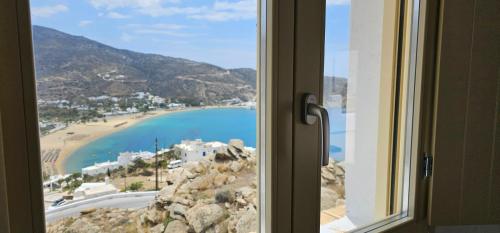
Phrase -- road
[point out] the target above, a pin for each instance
(120, 200)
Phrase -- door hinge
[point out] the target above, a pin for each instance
(428, 160)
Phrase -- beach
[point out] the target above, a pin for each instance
(57, 146)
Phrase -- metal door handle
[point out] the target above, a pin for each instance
(311, 111)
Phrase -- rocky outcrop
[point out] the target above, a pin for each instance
(215, 195)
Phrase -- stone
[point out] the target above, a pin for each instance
(202, 182)
(244, 221)
(157, 229)
(224, 196)
(201, 216)
(87, 211)
(241, 201)
(231, 179)
(328, 198)
(176, 226)
(235, 166)
(151, 217)
(220, 180)
(82, 225)
(178, 211)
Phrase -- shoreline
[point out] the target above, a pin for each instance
(66, 141)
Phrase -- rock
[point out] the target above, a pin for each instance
(190, 175)
(201, 216)
(328, 198)
(82, 225)
(241, 201)
(231, 179)
(157, 229)
(223, 157)
(220, 180)
(327, 175)
(222, 168)
(178, 211)
(246, 192)
(235, 166)
(244, 221)
(152, 217)
(224, 196)
(87, 211)
(202, 182)
(176, 226)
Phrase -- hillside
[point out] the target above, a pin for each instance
(71, 67)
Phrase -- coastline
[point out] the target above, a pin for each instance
(76, 135)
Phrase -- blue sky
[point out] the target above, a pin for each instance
(220, 32)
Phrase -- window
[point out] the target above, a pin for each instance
(124, 89)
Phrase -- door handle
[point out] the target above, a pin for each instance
(312, 110)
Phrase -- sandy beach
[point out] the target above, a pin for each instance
(57, 146)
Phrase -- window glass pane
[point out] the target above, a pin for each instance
(365, 97)
(147, 113)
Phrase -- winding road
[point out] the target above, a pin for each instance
(130, 200)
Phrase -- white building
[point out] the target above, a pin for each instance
(194, 150)
(333, 101)
(128, 157)
(176, 105)
(90, 190)
(100, 168)
(122, 160)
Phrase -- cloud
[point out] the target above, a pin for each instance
(116, 15)
(157, 26)
(84, 23)
(159, 29)
(224, 11)
(338, 2)
(126, 37)
(219, 11)
(114, 4)
(47, 11)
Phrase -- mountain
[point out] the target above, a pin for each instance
(71, 67)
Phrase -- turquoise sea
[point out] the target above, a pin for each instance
(216, 124)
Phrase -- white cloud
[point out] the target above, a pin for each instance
(219, 11)
(84, 23)
(47, 11)
(159, 29)
(126, 37)
(224, 11)
(158, 26)
(116, 15)
(338, 2)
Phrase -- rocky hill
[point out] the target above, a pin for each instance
(217, 194)
(70, 67)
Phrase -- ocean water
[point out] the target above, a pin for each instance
(217, 124)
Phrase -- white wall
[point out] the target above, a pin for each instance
(363, 106)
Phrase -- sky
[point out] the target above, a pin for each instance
(220, 32)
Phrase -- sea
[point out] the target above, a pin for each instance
(213, 124)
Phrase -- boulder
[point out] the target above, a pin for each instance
(178, 211)
(82, 225)
(152, 217)
(244, 221)
(201, 216)
(235, 166)
(224, 196)
(176, 226)
(328, 198)
(157, 229)
(220, 180)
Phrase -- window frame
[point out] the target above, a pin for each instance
(279, 95)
